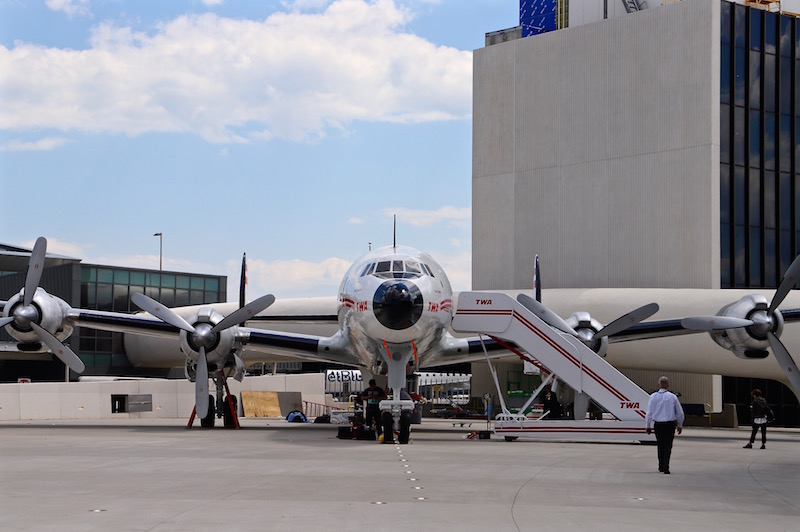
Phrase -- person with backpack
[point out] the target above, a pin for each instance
(372, 396)
(761, 413)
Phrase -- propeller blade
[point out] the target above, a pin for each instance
(787, 283)
(6, 321)
(628, 320)
(713, 323)
(545, 314)
(785, 360)
(245, 313)
(35, 267)
(201, 385)
(160, 311)
(64, 353)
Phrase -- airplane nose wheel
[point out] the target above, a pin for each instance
(401, 420)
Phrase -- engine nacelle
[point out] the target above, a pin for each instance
(48, 311)
(749, 342)
(587, 327)
(218, 345)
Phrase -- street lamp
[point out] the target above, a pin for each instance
(160, 250)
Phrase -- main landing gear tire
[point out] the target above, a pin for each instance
(405, 427)
(388, 427)
(511, 438)
(228, 414)
(208, 421)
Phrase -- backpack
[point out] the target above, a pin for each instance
(296, 417)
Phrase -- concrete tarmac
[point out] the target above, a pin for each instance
(274, 475)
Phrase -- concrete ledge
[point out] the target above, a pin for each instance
(171, 398)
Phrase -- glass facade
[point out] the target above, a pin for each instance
(759, 168)
(109, 288)
(759, 149)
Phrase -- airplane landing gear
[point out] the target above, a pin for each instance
(396, 415)
(224, 406)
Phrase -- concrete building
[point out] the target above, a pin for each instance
(652, 148)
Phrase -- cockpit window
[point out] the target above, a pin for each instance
(397, 269)
(366, 269)
(426, 269)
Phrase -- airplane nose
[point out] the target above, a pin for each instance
(397, 305)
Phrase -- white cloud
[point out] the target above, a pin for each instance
(458, 268)
(45, 144)
(454, 216)
(70, 7)
(288, 278)
(88, 254)
(294, 75)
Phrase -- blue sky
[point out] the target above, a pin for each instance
(292, 130)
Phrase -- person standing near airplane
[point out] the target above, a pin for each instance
(759, 409)
(664, 411)
(372, 396)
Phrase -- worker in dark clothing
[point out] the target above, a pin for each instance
(372, 396)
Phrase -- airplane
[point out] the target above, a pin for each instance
(392, 316)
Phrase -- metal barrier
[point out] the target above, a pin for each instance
(313, 410)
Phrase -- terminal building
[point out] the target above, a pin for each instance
(636, 145)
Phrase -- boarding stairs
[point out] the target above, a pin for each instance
(504, 319)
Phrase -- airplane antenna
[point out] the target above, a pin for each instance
(394, 233)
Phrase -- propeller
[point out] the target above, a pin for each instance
(713, 323)
(27, 316)
(761, 323)
(545, 314)
(594, 340)
(203, 335)
(628, 320)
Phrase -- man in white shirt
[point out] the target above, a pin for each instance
(664, 411)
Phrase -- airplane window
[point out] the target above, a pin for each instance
(426, 269)
(397, 265)
(412, 267)
(367, 269)
(383, 266)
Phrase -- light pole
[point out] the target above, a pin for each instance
(160, 251)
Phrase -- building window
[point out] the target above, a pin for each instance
(759, 148)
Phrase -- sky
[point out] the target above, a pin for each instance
(290, 130)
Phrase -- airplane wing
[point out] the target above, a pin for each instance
(334, 349)
(650, 329)
(124, 323)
